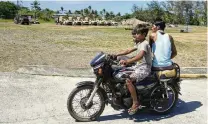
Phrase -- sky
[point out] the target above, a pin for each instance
(115, 6)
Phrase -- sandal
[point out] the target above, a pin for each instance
(132, 111)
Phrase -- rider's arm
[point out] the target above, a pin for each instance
(136, 58)
(126, 52)
(173, 48)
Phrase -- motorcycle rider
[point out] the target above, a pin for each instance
(162, 45)
(144, 62)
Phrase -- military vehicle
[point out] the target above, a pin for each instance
(77, 21)
(94, 22)
(23, 19)
(85, 21)
(68, 21)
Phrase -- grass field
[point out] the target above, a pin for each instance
(74, 46)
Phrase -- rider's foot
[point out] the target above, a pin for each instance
(134, 109)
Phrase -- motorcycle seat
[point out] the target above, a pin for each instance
(166, 74)
(163, 68)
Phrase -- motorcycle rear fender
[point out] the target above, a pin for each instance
(176, 85)
(90, 83)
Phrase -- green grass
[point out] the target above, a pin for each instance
(74, 46)
(6, 20)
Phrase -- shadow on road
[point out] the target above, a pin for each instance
(145, 115)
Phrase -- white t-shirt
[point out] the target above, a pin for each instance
(147, 58)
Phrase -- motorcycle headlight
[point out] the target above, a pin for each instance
(100, 71)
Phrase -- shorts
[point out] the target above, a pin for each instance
(140, 72)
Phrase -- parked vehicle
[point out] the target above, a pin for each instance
(22, 19)
(158, 92)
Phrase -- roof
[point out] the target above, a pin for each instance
(133, 21)
(63, 14)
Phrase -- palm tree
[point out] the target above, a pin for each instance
(90, 9)
(90, 12)
(69, 12)
(86, 12)
(62, 9)
(104, 13)
(36, 6)
(119, 14)
(101, 13)
(82, 12)
(96, 13)
(112, 15)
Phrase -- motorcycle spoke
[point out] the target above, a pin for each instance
(82, 111)
(76, 100)
(78, 106)
(81, 94)
(94, 110)
(88, 112)
(78, 103)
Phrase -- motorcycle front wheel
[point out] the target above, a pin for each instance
(77, 108)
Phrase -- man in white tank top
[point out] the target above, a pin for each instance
(162, 45)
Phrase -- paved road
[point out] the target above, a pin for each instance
(42, 99)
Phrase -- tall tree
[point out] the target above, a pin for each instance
(156, 9)
(86, 12)
(69, 12)
(134, 8)
(118, 14)
(46, 14)
(90, 9)
(7, 9)
(112, 15)
(104, 11)
(36, 7)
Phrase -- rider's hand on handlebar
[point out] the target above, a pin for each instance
(114, 57)
(123, 62)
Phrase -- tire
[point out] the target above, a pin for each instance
(73, 113)
(168, 110)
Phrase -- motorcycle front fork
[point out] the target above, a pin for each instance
(96, 86)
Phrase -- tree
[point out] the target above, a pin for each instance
(86, 12)
(112, 15)
(69, 12)
(104, 13)
(119, 14)
(62, 9)
(107, 16)
(24, 11)
(134, 8)
(155, 8)
(36, 7)
(8, 10)
(96, 13)
(90, 9)
(82, 12)
(77, 12)
(101, 13)
(46, 14)
(126, 16)
(204, 12)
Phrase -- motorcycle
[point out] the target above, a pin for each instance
(158, 92)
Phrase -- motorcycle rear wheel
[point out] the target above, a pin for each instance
(157, 102)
